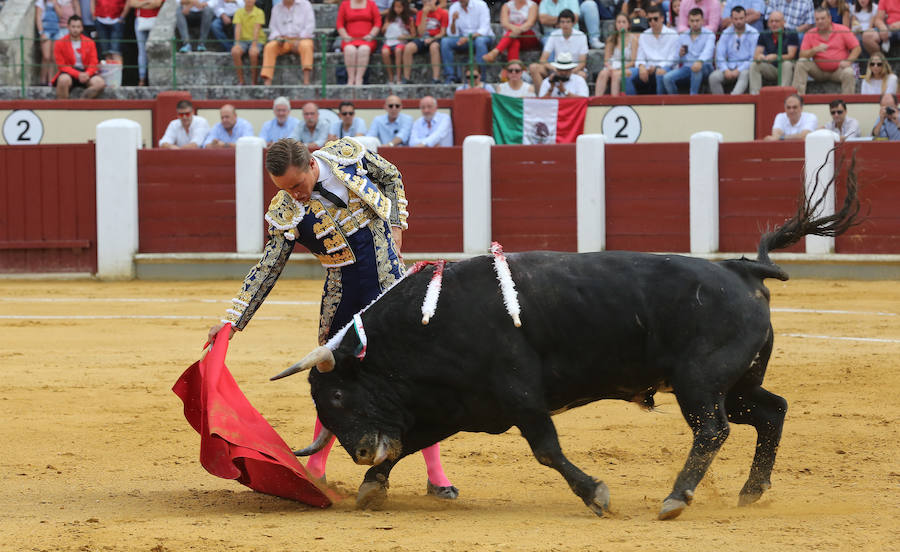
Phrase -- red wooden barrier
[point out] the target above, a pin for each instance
(876, 173)
(533, 190)
(186, 201)
(48, 216)
(647, 197)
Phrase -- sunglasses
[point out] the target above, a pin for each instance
(394, 105)
(875, 64)
(513, 70)
(654, 18)
(183, 115)
(837, 112)
(347, 112)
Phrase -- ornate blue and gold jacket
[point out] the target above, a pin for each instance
(339, 237)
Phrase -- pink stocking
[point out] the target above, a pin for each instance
(433, 466)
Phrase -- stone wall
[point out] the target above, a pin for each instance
(17, 20)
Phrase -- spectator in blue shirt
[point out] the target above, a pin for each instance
(226, 133)
(313, 132)
(392, 128)
(432, 128)
(282, 126)
(755, 9)
(695, 54)
(888, 125)
(348, 124)
(734, 53)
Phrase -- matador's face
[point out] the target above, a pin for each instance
(298, 181)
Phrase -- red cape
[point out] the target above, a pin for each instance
(236, 442)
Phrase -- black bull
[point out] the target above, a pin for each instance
(608, 325)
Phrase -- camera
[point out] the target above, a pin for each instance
(559, 78)
(890, 111)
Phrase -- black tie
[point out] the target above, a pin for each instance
(328, 195)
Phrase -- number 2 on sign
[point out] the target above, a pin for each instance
(23, 127)
(621, 124)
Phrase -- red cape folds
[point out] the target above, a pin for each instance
(236, 442)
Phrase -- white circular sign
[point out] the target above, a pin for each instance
(621, 124)
(23, 128)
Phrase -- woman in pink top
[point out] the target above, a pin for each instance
(358, 24)
(518, 17)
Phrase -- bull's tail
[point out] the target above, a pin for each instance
(805, 223)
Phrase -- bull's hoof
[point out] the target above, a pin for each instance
(752, 492)
(599, 504)
(371, 495)
(672, 507)
(447, 493)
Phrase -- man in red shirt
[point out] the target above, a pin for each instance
(828, 53)
(431, 26)
(76, 56)
(885, 29)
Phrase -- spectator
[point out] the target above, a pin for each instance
(188, 131)
(765, 59)
(515, 86)
(518, 18)
(833, 50)
(794, 123)
(712, 13)
(87, 18)
(754, 10)
(223, 25)
(696, 48)
(798, 14)
(313, 132)
(862, 15)
(840, 123)
(358, 24)
(109, 20)
(431, 27)
(193, 13)
(636, 10)
(282, 126)
(47, 24)
(885, 31)
(249, 39)
(564, 82)
(290, 30)
(888, 125)
(657, 53)
(564, 39)
(392, 128)
(674, 12)
(839, 11)
(226, 133)
(432, 128)
(398, 28)
(612, 71)
(76, 57)
(348, 125)
(734, 54)
(145, 12)
(66, 9)
(469, 20)
(550, 10)
(879, 78)
(472, 79)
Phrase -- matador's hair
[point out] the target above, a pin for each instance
(286, 153)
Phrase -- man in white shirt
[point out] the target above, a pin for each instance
(842, 124)
(469, 19)
(188, 131)
(222, 28)
(193, 13)
(432, 128)
(657, 53)
(793, 124)
(564, 39)
(564, 83)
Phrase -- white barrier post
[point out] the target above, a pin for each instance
(248, 193)
(477, 194)
(590, 183)
(370, 142)
(704, 191)
(818, 154)
(117, 197)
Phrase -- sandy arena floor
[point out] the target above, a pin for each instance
(100, 456)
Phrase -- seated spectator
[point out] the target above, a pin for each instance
(674, 12)
(225, 134)
(794, 123)
(469, 20)
(313, 132)
(47, 24)
(109, 20)
(657, 54)
(392, 128)
(76, 58)
(282, 126)
(145, 12)
(290, 30)
(612, 72)
(564, 82)
(398, 28)
(697, 46)
(358, 23)
(64, 10)
(550, 10)
(87, 17)
(888, 125)
(754, 10)
(765, 59)
(348, 125)
(712, 13)
(518, 18)
(250, 37)
(188, 131)
(798, 14)
(515, 86)
(840, 123)
(223, 25)
(839, 11)
(472, 79)
(862, 15)
(564, 39)
(432, 128)
(193, 13)
(636, 10)
(734, 53)
(833, 50)
(431, 27)
(885, 30)
(879, 79)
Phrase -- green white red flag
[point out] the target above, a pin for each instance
(538, 121)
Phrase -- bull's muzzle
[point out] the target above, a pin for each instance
(321, 357)
(373, 450)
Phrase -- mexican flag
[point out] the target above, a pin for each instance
(538, 121)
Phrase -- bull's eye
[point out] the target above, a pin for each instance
(337, 397)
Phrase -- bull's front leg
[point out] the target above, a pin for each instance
(373, 490)
(541, 435)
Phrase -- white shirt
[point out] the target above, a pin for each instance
(659, 51)
(807, 121)
(525, 91)
(228, 8)
(850, 128)
(576, 85)
(576, 44)
(175, 133)
(331, 183)
(475, 19)
(440, 133)
(873, 86)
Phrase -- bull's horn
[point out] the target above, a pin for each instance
(318, 444)
(321, 357)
